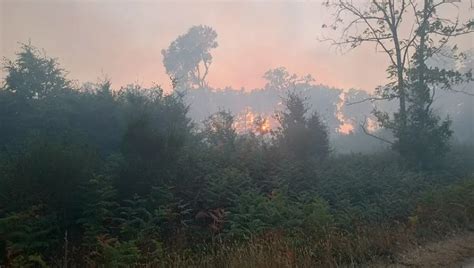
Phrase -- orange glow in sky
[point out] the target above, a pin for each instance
(123, 40)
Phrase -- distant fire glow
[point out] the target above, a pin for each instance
(372, 125)
(248, 121)
(346, 127)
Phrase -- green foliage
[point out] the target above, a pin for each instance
(141, 226)
(151, 144)
(256, 213)
(219, 131)
(448, 208)
(301, 137)
(98, 198)
(30, 235)
(188, 58)
(57, 169)
(424, 139)
(369, 188)
(33, 75)
(224, 187)
(30, 261)
(419, 136)
(97, 177)
(117, 254)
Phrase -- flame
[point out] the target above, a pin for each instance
(372, 125)
(346, 127)
(262, 125)
(248, 121)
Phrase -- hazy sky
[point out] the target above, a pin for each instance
(123, 40)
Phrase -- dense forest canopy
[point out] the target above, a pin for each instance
(296, 173)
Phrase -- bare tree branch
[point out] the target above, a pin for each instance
(362, 126)
(369, 99)
(462, 92)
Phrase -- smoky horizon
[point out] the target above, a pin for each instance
(236, 133)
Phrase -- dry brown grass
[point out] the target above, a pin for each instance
(336, 249)
(446, 253)
(374, 248)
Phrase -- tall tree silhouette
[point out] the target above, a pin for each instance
(188, 58)
(301, 136)
(381, 22)
(34, 75)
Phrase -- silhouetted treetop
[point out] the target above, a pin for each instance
(34, 75)
(188, 58)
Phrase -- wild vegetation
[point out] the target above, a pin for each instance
(96, 176)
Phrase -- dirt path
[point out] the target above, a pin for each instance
(468, 264)
(457, 251)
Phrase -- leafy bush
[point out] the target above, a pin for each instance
(447, 209)
(97, 177)
(254, 214)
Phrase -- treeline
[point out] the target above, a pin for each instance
(444, 74)
(93, 176)
(354, 105)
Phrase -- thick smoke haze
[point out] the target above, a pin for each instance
(123, 39)
(236, 133)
